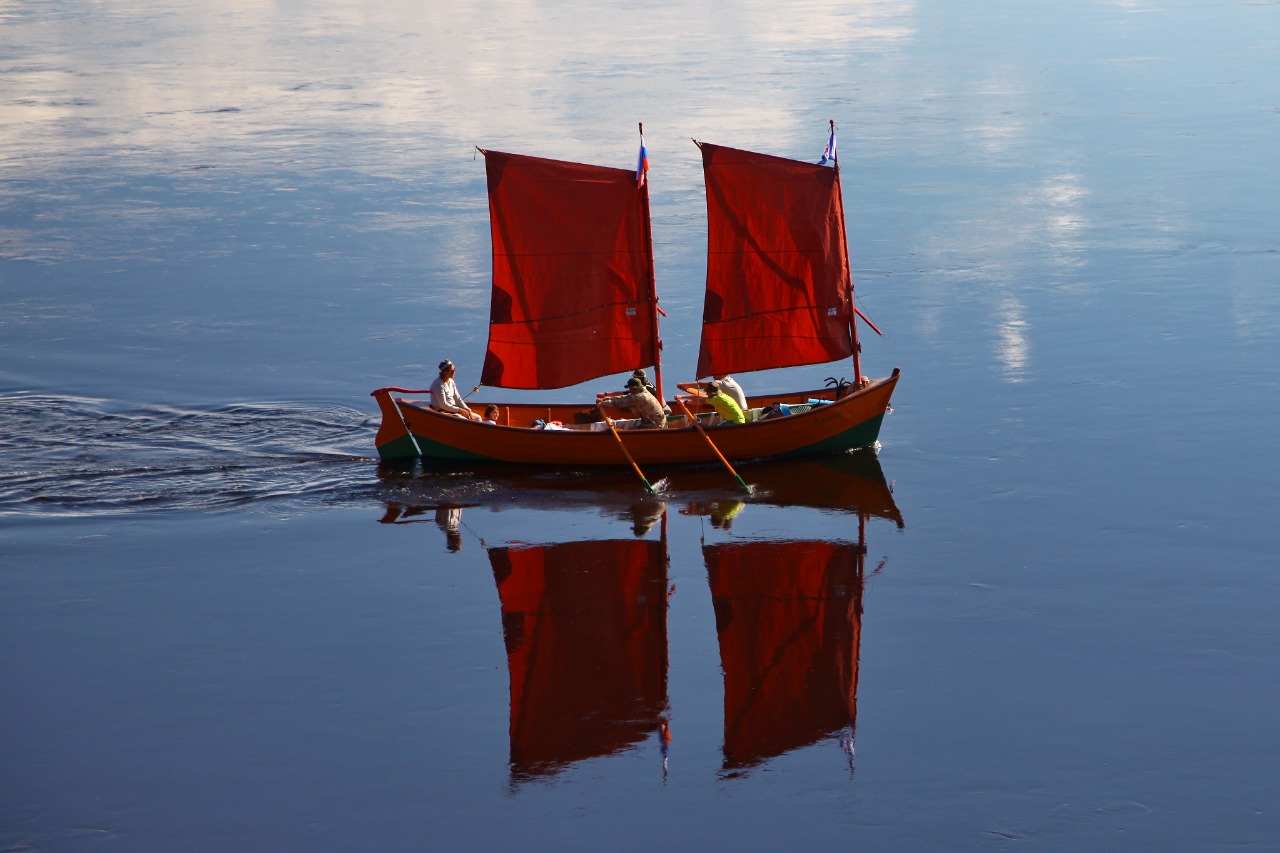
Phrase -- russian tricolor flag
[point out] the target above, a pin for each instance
(642, 164)
(829, 153)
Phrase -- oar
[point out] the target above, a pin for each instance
(712, 444)
(627, 453)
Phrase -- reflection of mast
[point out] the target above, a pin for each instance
(789, 622)
(585, 625)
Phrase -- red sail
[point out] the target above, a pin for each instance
(778, 286)
(573, 291)
(789, 619)
(585, 625)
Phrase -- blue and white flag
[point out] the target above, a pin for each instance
(642, 166)
(829, 153)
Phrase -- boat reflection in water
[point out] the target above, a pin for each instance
(789, 612)
(850, 483)
(789, 620)
(585, 622)
(585, 627)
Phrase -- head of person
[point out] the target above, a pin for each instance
(712, 387)
(634, 384)
(446, 368)
(491, 412)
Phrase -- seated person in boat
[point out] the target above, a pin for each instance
(639, 401)
(490, 415)
(445, 397)
(726, 407)
(728, 384)
(640, 374)
(715, 394)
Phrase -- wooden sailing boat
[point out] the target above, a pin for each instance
(574, 299)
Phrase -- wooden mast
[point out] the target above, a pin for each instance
(642, 167)
(848, 273)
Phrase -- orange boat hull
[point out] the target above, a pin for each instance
(410, 429)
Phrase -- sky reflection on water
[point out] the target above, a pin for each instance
(981, 164)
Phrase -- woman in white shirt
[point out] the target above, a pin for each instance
(444, 394)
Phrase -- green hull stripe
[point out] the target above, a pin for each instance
(436, 450)
(403, 448)
(863, 435)
(398, 448)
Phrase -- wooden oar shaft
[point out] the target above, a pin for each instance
(711, 444)
(627, 453)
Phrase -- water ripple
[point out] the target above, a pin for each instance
(67, 456)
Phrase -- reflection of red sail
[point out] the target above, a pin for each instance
(586, 635)
(788, 615)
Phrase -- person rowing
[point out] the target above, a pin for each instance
(728, 384)
(640, 402)
(716, 395)
(726, 407)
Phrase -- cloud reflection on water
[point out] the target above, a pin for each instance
(1006, 150)
(149, 87)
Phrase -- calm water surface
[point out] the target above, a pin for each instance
(1041, 617)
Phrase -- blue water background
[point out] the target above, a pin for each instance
(221, 227)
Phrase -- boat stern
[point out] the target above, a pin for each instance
(394, 440)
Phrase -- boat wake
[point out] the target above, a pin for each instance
(85, 457)
(68, 456)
